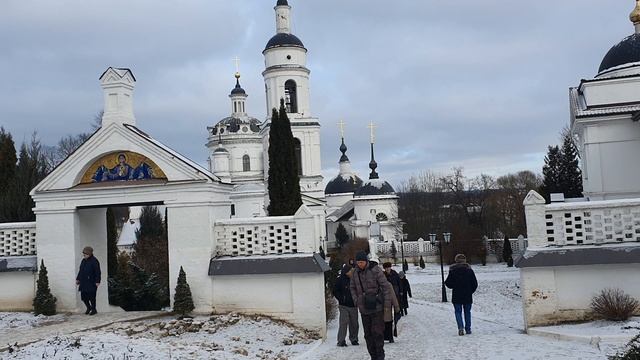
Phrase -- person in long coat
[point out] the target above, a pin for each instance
(369, 283)
(346, 306)
(88, 279)
(391, 318)
(464, 283)
(405, 293)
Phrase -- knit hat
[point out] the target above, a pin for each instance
(386, 265)
(361, 256)
(87, 250)
(401, 273)
(345, 269)
(460, 259)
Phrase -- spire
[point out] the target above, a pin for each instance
(373, 165)
(635, 16)
(117, 85)
(343, 147)
(283, 19)
(238, 95)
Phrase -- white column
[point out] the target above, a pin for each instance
(534, 205)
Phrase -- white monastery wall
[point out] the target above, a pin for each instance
(18, 290)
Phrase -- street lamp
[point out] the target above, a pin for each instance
(447, 239)
(401, 237)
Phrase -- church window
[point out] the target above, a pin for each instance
(291, 96)
(235, 106)
(298, 150)
(288, 57)
(233, 209)
(246, 163)
(382, 217)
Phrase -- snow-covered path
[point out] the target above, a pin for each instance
(430, 332)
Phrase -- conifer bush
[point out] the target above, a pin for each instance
(182, 300)
(507, 252)
(44, 303)
(422, 264)
(631, 351)
(614, 305)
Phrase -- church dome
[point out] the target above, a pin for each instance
(343, 184)
(375, 187)
(625, 54)
(282, 3)
(238, 90)
(284, 39)
(234, 125)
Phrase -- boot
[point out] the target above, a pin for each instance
(460, 332)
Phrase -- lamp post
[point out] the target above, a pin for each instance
(447, 239)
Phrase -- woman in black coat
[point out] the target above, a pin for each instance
(88, 279)
(464, 283)
(405, 293)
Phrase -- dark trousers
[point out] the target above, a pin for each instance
(388, 330)
(89, 299)
(348, 319)
(373, 325)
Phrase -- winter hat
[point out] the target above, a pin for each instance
(386, 265)
(345, 269)
(460, 259)
(401, 273)
(361, 256)
(87, 250)
(373, 258)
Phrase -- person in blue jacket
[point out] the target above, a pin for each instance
(88, 279)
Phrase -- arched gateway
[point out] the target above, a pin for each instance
(227, 261)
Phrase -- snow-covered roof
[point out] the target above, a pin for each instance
(128, 233)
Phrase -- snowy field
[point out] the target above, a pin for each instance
(428, 332)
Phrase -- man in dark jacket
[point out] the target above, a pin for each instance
(346, 306)
(464, 283)
(88, 279)
(371, 292)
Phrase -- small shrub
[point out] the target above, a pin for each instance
(422, 264)
(631, 351)
(44, 303)
(182, 300)
(614, 304)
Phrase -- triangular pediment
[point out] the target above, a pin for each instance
(533, 198)
(145, 159)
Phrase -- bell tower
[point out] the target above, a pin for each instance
(286, 77)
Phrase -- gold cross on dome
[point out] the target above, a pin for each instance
(237, 61)
(341, 125)
(373, 131)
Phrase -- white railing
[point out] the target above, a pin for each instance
(425, 248)
(266, 235)
(582, 223)
(18, 239)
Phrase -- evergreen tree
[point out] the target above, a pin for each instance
(322, 254)
(422, 264)
(394, 252)
(507, 252)
(284, 180)
(44, 303)
(182, 300)
(152, 247)
(551, 172)
(342, 237)
(112, 244)
(8, 160)
(134, 289)
(570, 175)
(405, 266)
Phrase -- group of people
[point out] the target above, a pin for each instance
(381, 296)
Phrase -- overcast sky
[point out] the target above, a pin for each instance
(478, 84)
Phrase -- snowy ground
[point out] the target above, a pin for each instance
(428, 332)
(22, 321)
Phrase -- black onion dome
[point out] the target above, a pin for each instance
(220, 150)
(341, 185)
(238, 90)
(282, 3)
(375, 187)
(283, 39)
(625, 52)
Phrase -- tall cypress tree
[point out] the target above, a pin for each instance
(342, 237)
(8, 160)
(44, 302)
(112, 244)
(284, 181)
(570, 175)
(551, 172)
(151, 248)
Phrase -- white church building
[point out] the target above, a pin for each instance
(579, 247)
(235, 256)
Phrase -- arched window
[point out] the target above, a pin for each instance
(246, 163)
(298, 150)
(291, 96)
(382, 217)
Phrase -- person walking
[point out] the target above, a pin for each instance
(371, 292)
(88, 279)
(462, 280)
(405, 293)
(391, 319)
(346, 306)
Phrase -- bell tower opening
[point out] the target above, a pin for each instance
(291, 96)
